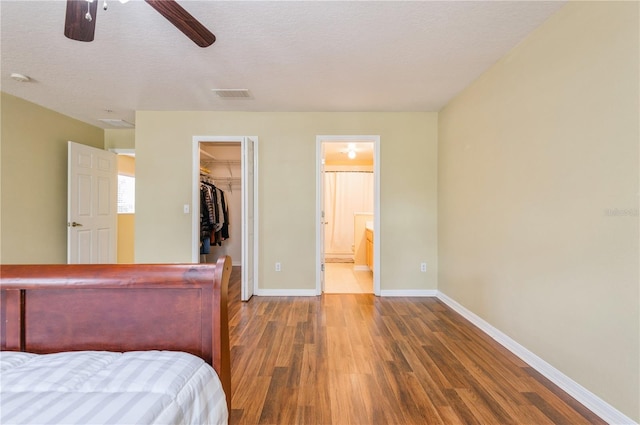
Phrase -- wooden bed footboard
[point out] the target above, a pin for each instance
(118, 307)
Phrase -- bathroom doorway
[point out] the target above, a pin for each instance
(347, 207)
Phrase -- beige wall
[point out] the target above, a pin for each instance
(287, 186)
(34, 180)
(126, 222)
(127, 165)
(538, 197)
(126, 231)
(120, 138)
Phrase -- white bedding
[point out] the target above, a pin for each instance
(90, 387)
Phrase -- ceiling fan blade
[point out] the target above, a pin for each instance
(76, 25)
(183, 20)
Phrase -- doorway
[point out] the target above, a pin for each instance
(348, 214)
(126, 205)
(220, 168)
(226, 168)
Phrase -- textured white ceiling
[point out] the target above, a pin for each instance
(292, 56)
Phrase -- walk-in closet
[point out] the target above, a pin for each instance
(220, 201)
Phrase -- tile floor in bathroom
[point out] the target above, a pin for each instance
(340, 278)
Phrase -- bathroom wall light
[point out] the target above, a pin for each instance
(351, 154)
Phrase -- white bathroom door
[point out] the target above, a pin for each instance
(92, 191)
(323, 219)
(323, 224)
(248, 218)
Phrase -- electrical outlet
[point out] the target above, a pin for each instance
(423, 267)
(278, 267)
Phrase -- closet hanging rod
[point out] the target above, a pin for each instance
(223, 161)
(224, 178)
(229, 182)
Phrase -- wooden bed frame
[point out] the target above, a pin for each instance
(119, 307)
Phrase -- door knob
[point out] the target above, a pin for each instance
(74, 224)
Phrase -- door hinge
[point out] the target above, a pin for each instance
(321, 267)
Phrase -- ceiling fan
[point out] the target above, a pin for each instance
(80, 22)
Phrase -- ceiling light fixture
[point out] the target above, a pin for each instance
(351, 150)
(104, 6)
(21, 78)
(87, 15)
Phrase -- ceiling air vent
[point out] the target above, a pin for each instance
(232, 93)
(117, 123)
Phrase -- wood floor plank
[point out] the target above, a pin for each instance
(547, 409)
(564, 397)
(360, 359)
(425, 412)
(476, 370)
(532, 415)
(479, 407)
(287, 351)
(461, 410)
(252, 402)
(449, 416)
(280, 402)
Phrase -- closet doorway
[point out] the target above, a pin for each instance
(347, 214)
(226, 169)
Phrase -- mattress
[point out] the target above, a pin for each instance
(90, 387)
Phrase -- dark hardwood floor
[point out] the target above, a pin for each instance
(358, 359)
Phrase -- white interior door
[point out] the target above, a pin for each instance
(320, 217)
(92, 187)
(248, 218)
(323, 222)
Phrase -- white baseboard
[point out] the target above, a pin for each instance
(286, 293)
(360, 268)
(594, 403)
(339, 255)
(408, 293)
